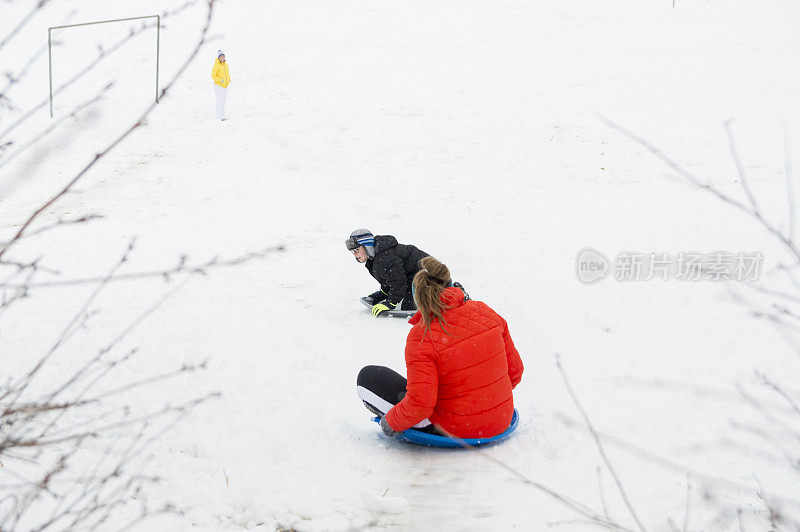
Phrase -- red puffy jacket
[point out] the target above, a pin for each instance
(460, 381)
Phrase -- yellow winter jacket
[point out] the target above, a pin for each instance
(220, 73)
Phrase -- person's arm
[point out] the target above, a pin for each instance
(393, 278)
(422, 388)
(515, 367)
(215, 72)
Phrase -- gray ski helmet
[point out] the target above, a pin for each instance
(362, 237)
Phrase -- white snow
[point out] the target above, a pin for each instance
(475, 131)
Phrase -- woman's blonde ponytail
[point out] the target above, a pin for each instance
(428, 284)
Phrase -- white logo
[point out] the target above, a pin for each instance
(591, 266)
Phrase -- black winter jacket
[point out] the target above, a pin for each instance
(394, 266)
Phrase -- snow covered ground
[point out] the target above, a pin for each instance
(476, 131)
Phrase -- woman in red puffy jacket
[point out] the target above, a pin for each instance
(460, 361)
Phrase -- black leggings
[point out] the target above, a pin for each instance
(380, 388)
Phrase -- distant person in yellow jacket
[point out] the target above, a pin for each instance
(222, 78)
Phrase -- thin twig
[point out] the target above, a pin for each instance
(789, 245)
(688, 502)
(33, 141)
(789, 183)
(771, 419)
(740, 168)
(27, 18)
(23, 384)
(574, 505)
(599, 445)
(60, 223)
(780, 391)
(16, 78)
(669, 464)
(166, 274)
(602, 492)
(582, 509)
(774, 515)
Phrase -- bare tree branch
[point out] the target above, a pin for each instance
(602, 492)
(780, 391)
(578, 507)
(740, 169)
(789, 184)
(773, 427)
(688, 503)
(27, 18)
(599, 445)
(772, 420)
(181, 268)
(33, 430)
(47, 131)
(671, 465)
(118, 140)
(789, 245)
(61, 222)
(19, 388)
(16, 78)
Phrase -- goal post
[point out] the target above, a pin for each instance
(50, 46)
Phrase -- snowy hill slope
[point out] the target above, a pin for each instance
(473, 130)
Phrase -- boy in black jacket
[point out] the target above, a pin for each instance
(393, 265)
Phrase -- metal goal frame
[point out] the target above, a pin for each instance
(50, 46)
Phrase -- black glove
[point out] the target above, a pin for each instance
(387, 429)
(375, 297)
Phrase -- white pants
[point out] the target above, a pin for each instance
(222, 94)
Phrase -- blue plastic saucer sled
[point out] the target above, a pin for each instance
(418, 437)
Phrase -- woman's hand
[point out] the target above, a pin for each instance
(387, 429)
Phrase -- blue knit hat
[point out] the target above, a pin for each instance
(362, 237)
